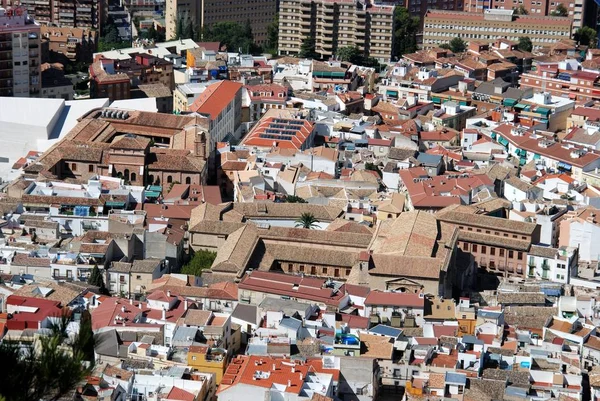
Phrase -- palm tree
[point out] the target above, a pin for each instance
(307, 220)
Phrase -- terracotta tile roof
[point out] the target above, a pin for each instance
(279, 132)
(179, 394)
(215, 98)
(374, 346)
(399, 299)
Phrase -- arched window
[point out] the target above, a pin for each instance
(133, 176)
(126, 174)
(188, 180)
(169, 179)
(389, 215)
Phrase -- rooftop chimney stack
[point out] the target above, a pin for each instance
(164, 314)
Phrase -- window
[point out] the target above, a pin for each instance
(483, 249)
(336, 272)
(301, 268)
(492, 251)
(474, 248)
(133, 176)
(169, 179)
(56, 273)
(73, 166)
(511, 254)
(324, 270)
(290, 267)
(501, 252)
(194, 357)
(138, 277)
(91, 168)
(520, 255)
(188, 180)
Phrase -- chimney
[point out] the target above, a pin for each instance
(200, 145)
(130, 301)
(123, 309)
(164, 314)
(301, 377)
(294, 369)
(289, 383)
(169, 293)
(185, 304)
(274, 367)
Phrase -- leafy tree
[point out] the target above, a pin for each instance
(521, 10)
(445, 46)
(307, 220)
(273, 36)
(351, 54)
(308, 48)
(188, 30)
(372, 167)
(47, 371)
(179, 28)
(96, 279)
(560, 11)
(201, 260)
(586, 36)
(457, 45)
(405, 34)
(525, 44)
(294, 199)
(232, 35)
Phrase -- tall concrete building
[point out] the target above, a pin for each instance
(260, 13)
(582, 12)
(68, 13)
(335, 24)
(19, 54)
(442, 26)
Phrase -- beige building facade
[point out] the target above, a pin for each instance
(443, 26)
(335, 24)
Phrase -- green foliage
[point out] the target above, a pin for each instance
(521, 10)
(201, 260)
(294, 199)
(405, 34)
(351, 54)
(525, 44)
(273, 36)
(307, 220)
(234, 36)
(560, 11)
(586, 36)
(372, 167)
(445, 46)
(96, 279)
(308, 48)
(457, 45)
(153, 34)
(47, 371)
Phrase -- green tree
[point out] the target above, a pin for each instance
(273, 36)
(294, 199)
(457, 45)
(234, 36)
(351, 54)
(96, 279)
(525, 44)
(307, 220)
(188, 30)
(445, 46)
(560, 11)
(586, 36)
(179, 28)
(47, 371)
(405, 34)
(308, 48)
(372, 167)
(201, 260)
(521, 10)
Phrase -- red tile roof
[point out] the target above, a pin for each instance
(177, 393)
(395, 299)
(31, 311)
(215, 98)
(279, 132)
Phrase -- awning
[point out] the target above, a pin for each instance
(391, 93)
(564, 166)
(542, 110)
(463, 102)
(518, 152)
(156, 188)
(436, 100)
(115, 204)
(152, 194)
(536, 156)
(509, 102)
(520, 106)
(503, 141)
(493, 135)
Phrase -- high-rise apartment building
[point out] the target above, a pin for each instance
(335, 24)
(260, 13)
(69, 13)
(442, 26)
(19, 53)
(582, 12)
